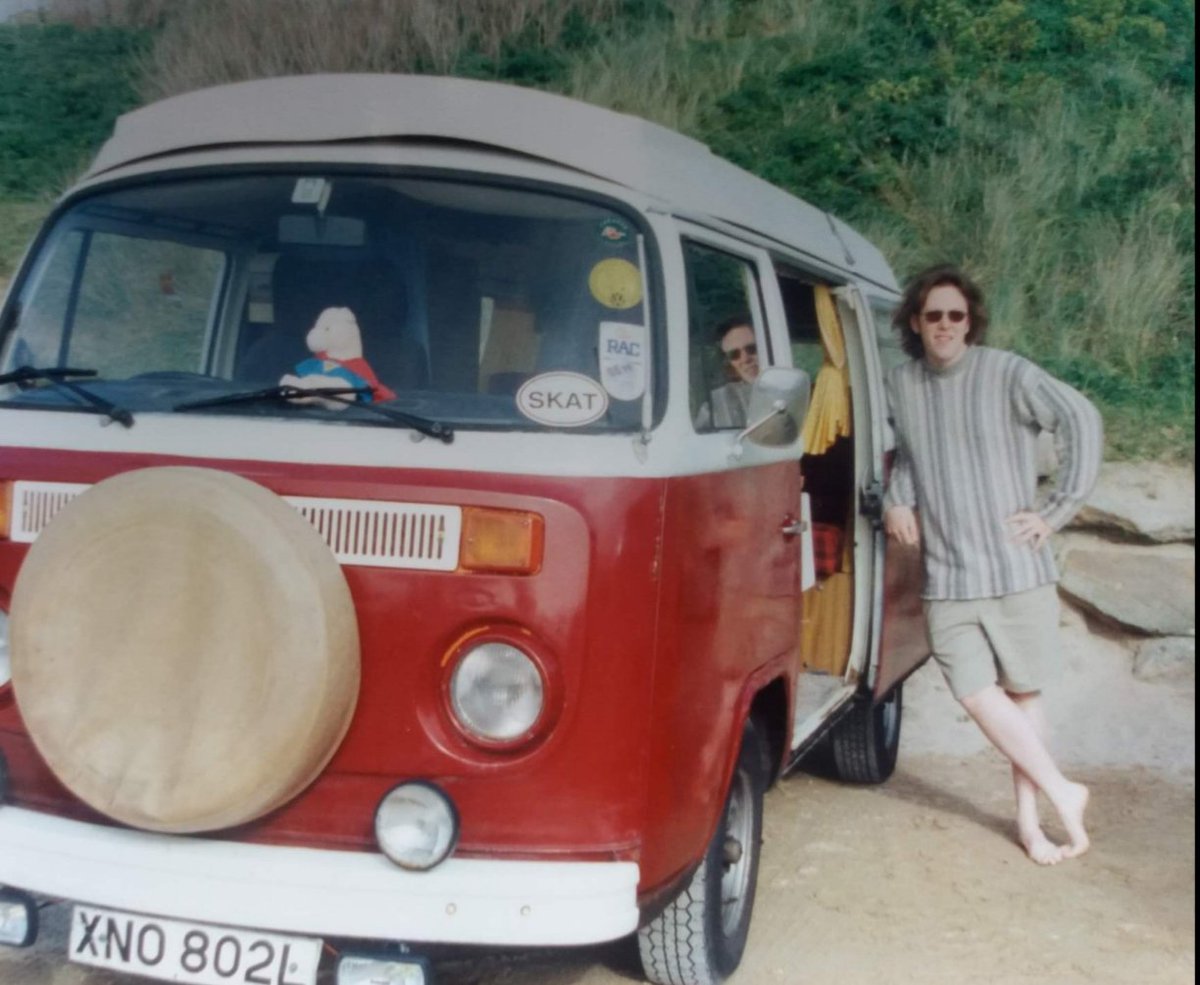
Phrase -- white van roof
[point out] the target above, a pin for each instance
(624, 149)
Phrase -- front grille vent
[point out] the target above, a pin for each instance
(418, 536)
(34, 505)
(390, 535)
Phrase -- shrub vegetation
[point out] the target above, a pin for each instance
(1047, 145)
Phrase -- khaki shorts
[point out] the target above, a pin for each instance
(1011, 640)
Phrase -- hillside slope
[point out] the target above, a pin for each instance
(1048, 145)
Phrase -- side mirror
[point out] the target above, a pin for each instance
(778, 403)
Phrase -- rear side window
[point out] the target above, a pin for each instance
(890, 353)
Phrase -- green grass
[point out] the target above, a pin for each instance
(1046, 145)
(61, 88)
(18, 223)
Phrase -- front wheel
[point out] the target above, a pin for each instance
(699, 938)
(866, 740)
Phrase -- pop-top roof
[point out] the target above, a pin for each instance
(649, 158)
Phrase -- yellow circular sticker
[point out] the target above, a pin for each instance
(615, 283)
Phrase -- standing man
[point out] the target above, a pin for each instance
(964, 486)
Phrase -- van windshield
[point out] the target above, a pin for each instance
(472, 304)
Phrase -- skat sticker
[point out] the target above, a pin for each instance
(562, 400)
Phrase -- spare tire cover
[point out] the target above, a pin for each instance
(184, 649)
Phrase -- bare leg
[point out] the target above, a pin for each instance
(1029, 827)
(1010, 730)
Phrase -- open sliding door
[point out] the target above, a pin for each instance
(898, 640)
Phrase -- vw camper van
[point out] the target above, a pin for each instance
(374, 572)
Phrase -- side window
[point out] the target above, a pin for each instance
(723, 349)
(43, 323)
(890, 353)
(804, 332)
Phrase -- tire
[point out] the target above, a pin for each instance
(701, 935)
(185, 650)
(865, 742)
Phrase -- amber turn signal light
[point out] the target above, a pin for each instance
(504, 541)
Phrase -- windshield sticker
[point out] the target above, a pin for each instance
(615, 283)
(615, 231)
(562, 400)
(623, 359)
(312, 191)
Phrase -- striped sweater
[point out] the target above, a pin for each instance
(966, 459)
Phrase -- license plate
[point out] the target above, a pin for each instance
(176, 951)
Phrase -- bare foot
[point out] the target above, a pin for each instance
(1071, 811)
(1040, 848)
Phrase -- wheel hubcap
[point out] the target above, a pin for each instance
(735, 859)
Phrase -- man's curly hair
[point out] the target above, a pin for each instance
(914, 300)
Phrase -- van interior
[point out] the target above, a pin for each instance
(828, 471)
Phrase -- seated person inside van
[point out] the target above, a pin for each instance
(727, 405)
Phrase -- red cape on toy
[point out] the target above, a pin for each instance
(360, 367)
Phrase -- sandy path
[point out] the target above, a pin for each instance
(917, 881)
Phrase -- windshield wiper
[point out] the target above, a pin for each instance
(25, 376)
(347, 395)
(280, 392)
(434, 429)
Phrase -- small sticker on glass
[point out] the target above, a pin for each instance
(615, 231)
(562, 399)
(615, 283)
(623, 359)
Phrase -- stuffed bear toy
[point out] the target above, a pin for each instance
(337, 361)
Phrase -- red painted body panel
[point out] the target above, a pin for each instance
(905, 641)
(730, 612)
(661, 604)
(904, 638)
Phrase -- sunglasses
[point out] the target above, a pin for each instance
(934, 316)
(733, 355)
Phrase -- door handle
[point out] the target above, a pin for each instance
(792, 527)
(870, 503)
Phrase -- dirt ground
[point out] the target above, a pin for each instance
(919, 881)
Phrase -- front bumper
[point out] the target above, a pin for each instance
(327, 893)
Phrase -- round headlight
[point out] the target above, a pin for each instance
(496, 692)
(5, 656)
(416, 825)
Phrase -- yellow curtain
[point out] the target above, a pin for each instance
(829, 411)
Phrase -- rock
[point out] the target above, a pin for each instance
(1147, 500)
(1145, 592)
(1171, 659)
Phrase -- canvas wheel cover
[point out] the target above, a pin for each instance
(184, 649)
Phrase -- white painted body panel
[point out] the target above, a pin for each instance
(622, 149)
(304, 890)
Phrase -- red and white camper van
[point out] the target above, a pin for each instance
(372, 567)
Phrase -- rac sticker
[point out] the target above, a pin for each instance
(562, 400)
(623, 359)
